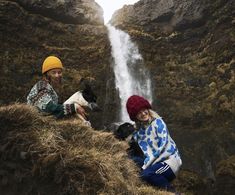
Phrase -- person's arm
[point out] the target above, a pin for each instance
(60, 110)
(161, 133)
(43, 100)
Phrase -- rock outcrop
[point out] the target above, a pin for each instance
(166, 15)
(72, 30)
(67, 11)
(189, 48)
(42, 156)
(225, 175)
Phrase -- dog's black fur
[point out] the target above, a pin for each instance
(124, 130)
(89, 96)
(122, 133)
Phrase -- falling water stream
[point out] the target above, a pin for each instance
(131, 76)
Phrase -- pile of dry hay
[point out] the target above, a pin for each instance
(39, 155)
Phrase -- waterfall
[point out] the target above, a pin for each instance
(131, 76)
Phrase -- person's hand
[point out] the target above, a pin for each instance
(80, 110)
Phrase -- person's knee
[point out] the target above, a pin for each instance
(146, 174)
(161, 180)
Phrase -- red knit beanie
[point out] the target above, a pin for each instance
(135, 104)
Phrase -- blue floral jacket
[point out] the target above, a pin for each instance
(155, 142)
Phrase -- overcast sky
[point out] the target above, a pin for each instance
(109, 6)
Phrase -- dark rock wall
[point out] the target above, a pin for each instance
(169, 15)
(67, 11)
(189, 48)
(72, 30)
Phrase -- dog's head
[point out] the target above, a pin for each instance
(124, 130)
(90, 97)
(88, 94)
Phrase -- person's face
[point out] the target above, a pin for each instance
(143, 115)
(55, 76)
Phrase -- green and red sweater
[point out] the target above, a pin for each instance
(44, 97)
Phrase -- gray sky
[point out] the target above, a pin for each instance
(110, 6)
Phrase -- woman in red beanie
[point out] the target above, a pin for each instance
(162, 160)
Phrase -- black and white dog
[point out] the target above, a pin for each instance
(85, 98)
(125, 133)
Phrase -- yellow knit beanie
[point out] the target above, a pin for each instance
(51, 62)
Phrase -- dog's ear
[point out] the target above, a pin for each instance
(81, 80)
(85, 84)
(87, 87)
(88, 94)
(82, 83)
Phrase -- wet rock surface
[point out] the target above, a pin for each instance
(29, 36)
(169, 15)
(188, 46)
(67, 11)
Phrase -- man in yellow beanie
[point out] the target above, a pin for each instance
(43, 95)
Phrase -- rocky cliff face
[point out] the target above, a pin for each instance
(189, 48)
(66, 11)
(72, 30)
(169, 15)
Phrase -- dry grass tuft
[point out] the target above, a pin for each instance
(42, 156)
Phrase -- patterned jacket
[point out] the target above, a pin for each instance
(156, 143)
(44, 97)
